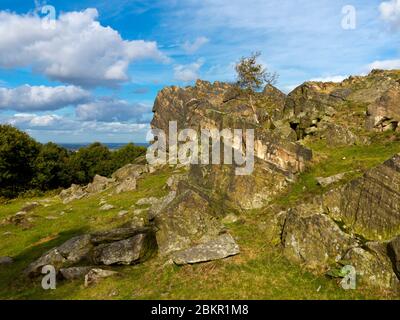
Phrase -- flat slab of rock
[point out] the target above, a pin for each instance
(106, 207)
(324, 182)
(116, 234)
(222, 247)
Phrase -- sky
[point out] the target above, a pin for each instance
(85, 71)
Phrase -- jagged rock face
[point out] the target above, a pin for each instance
(311, 238)
(186, 221)
(221, 106)
(384, 113)
(370, 205)
(373, 268)
(338, 111)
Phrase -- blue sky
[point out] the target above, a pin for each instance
(93, 75)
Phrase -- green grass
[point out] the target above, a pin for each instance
(259, 272)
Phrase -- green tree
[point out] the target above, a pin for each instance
(18, 152)
(89, 161)
(252, 76)
(52, 169)
(127, 154)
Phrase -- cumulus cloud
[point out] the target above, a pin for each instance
(111, 110)
(384, 64)
(40, 98)
(188, 72)
(192, 47)
(390, 12)
(79, 50)
(56, 123)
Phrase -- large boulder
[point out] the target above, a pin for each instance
(130, 171)
(75, 192)
(71, 252)
(99, 184)
(186, 221)
(311, 238)
(125, 252)
(370, 205)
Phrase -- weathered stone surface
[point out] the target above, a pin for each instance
(99, 184)
(370, 205)
(106, 207)
(173, 181)
(147, 201)
(311, 238)
(69, 253)
(384, 113)
(129, 184)
(95, 275)
(30, 206)
(324, 182)
(116, 234)
(394, 252)
(219, 248)
(159, 205)
(185, 222)
(230, 219)
(373, 269)
(130, 171)
(125, 252)
(75, 192)
(74, 273)
(6, 261)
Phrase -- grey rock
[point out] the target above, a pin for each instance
(74, 273)
(158, 206)
(99, 184)
(125, 252)
(106, 207)
(147, 201)
(230, 218)
(116, 234)
(219, 248)
(95, 275)
(324, 182)
(129, 184)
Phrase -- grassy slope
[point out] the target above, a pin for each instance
(259, 272)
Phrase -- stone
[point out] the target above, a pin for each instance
(230, 219)
(129, 184)
(372, 269)
(324, 182)
(125, 252)
(30, 206)
(311, 238)
(71, 252)
(370, 205)
(158, 206)
(75, 192)
(6, 261)
(130, 171)
(147, 201)
(95, 275)
(394, 252)
(115, 235)
(219, 248)
(74, 273)
(99, 184)
(173, 181)
(106, 207)
(186, 221)
(122, 213)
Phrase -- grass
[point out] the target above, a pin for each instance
(259, 272)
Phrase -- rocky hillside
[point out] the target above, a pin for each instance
(324, 193)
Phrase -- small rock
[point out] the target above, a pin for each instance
(122, 213)
(147, 201)
(7, 233)
(94, 275)
(230, 218)
(6, 261)
(139, 211)
(107, 207)
(51, 218)
(324, 182)
(30, 206)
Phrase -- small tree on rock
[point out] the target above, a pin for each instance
(252, 76)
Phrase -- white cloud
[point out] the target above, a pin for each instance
(111, 110)
(390, 12)
(330, 79)
(40, 98)
(192, 47)
(384, 64)
(188, 72)
(56, 123)
(78, 51)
